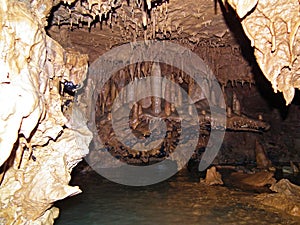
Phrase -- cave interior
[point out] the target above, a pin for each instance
(215, 34)
(260, 147)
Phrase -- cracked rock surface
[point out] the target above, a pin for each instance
(39, 145)
(272, 27)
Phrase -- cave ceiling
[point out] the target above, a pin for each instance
(95, 26)
(197, 23)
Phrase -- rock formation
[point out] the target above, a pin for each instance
(272, 28)
(42, 137)
(39, 144)
(286, 198)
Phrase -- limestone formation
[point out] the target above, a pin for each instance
(39, 144)
(287, 197)
(213, 177)
(272, 27)
(43, 131)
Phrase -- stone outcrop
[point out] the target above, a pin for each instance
(287, 197)
(272, 27)
(39, 145)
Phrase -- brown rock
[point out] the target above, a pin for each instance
(262, 160)
(213, 177)
(287, 197)
(258, 179)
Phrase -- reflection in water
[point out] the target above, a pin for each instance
(179, 200)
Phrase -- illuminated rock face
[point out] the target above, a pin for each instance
(39, 145)
(272, 27)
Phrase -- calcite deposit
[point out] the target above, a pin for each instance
(272, 27)
(286, 198)
(39, 144)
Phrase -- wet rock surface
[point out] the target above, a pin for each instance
(286, 198)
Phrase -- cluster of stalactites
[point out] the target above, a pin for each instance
(135, 18)
(170, 90)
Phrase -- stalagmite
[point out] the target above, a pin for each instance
(140, 112)
(236, 106)
(156, 88)
(294, 167)
(262, 160)
(124, 94)
(213, 177)
(115, 94)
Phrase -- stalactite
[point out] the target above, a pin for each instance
(113, 91)
(132, 71)
(144, 18)
(146, 102)
(178, 96)
(156, 88)
(121, 84)
(167, 98)
(229, 112)
(213, 97)
(148, 4)
(173, 93)
(139, 70)
(144, 69)
(135, 115)
(99, 104)
(130, 95)
(140, 112)
(104, 96)
(190, 92)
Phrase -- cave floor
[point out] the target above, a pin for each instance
(179, 200)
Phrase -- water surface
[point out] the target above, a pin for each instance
(179, 200)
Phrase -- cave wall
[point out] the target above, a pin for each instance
(39, 143)
(272, 28)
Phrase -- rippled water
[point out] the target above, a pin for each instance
(179, 200)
